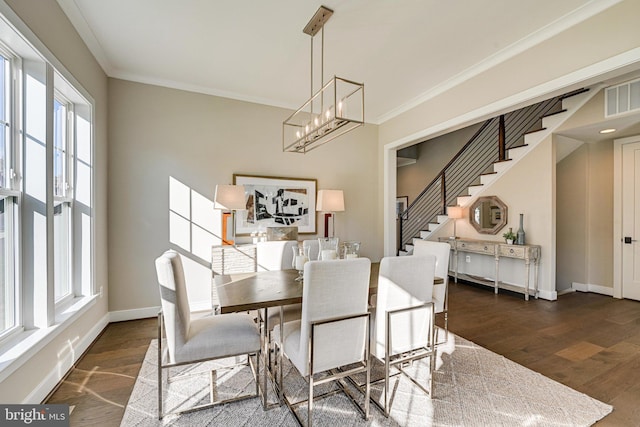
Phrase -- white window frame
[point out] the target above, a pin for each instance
(11, 191)
(41, 322)
(69, 144)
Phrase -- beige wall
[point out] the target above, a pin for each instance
(600, 215)
(585, 218)
(40, 373)
(571, 219)
(200, 140)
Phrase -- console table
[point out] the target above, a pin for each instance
(528, 253)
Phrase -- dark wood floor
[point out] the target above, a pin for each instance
(589, 342)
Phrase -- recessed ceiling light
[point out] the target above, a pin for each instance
(610, 130)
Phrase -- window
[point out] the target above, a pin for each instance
(62, 203)
(7, 285)
(9, 291)
(46, 176)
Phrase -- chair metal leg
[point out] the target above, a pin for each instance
(255, 370)
(338, 376)
(367, 394)
(387, 362)
(256, 377)
(310, 402)
(446, 325)
(386, 386)
(432, 369)
(432, 347)
(159, 366)
(265, 347)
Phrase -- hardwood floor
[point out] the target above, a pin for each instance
(98, 388)
(587, 341)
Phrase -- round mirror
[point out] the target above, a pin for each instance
(488, 215)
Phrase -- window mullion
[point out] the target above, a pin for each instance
(49, 197)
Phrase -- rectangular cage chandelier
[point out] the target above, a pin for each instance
(334, 110)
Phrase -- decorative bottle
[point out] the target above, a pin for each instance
(520, 234)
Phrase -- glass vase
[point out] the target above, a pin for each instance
(328, 248)
(520, 234)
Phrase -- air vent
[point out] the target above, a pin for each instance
(622, 99)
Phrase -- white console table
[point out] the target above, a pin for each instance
(528, 253)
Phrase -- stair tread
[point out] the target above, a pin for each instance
(518, 146)
(501, 161)
(534, 131)
(488, 173)
(553, 114)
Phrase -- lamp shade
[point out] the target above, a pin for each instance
(229, 197)
(330, 201)
(454, 212)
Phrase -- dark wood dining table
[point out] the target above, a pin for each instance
(264, 289)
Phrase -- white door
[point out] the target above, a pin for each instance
(631, 221)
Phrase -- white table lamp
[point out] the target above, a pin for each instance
(330, 201)
(455, 213)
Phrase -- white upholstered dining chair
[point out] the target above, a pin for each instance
(195, 340)
(333, 332)
(441, 251)
(403, 319)
(275, 255)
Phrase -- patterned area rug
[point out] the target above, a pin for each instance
(473, 387)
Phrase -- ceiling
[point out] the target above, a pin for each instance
(403, 50)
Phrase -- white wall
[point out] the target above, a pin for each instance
(41, 372)
(200, 140)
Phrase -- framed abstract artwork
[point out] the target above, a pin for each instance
(275, 202)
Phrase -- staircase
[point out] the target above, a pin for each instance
(481, 162)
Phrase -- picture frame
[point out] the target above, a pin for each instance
(276, 202)
(402, 202)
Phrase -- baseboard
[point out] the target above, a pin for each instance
(43, 389)
(135, 314)
(548, 295)
(597, 289)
